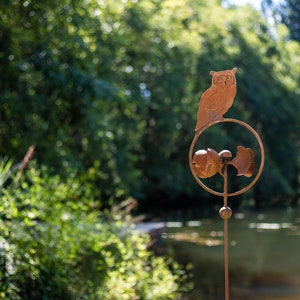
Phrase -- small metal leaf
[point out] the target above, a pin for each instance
(244, 161)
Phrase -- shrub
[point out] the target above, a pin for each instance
(55, 245)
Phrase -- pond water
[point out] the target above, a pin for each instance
(264, 255)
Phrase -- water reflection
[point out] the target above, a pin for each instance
(264, 252)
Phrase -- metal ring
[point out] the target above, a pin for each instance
(262, 159)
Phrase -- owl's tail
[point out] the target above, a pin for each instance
(205, 117)
(202, 119)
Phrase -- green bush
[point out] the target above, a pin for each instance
(55, 245)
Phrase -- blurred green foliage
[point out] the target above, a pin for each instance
(108, 92)
(54, 245)
(285, 12)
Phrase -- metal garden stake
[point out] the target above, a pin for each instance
(214, 103)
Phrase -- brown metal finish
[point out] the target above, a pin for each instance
(216, 100)
(243, 160)
(214, 103)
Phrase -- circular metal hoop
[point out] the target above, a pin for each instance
(262, 159)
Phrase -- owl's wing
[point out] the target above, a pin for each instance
(208, 107)
(208, 98)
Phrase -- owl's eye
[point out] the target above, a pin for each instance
(229, 77)
(220, 78)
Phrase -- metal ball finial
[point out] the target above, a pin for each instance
(225, 212)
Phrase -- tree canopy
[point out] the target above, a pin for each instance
(286, 12)
(108, 92)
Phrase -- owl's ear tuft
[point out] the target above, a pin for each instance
(234, 70)
(212, 73)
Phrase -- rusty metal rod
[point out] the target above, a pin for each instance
(225, 214)
(226, 267)
(226, 263)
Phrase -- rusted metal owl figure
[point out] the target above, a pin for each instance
(216, 100)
